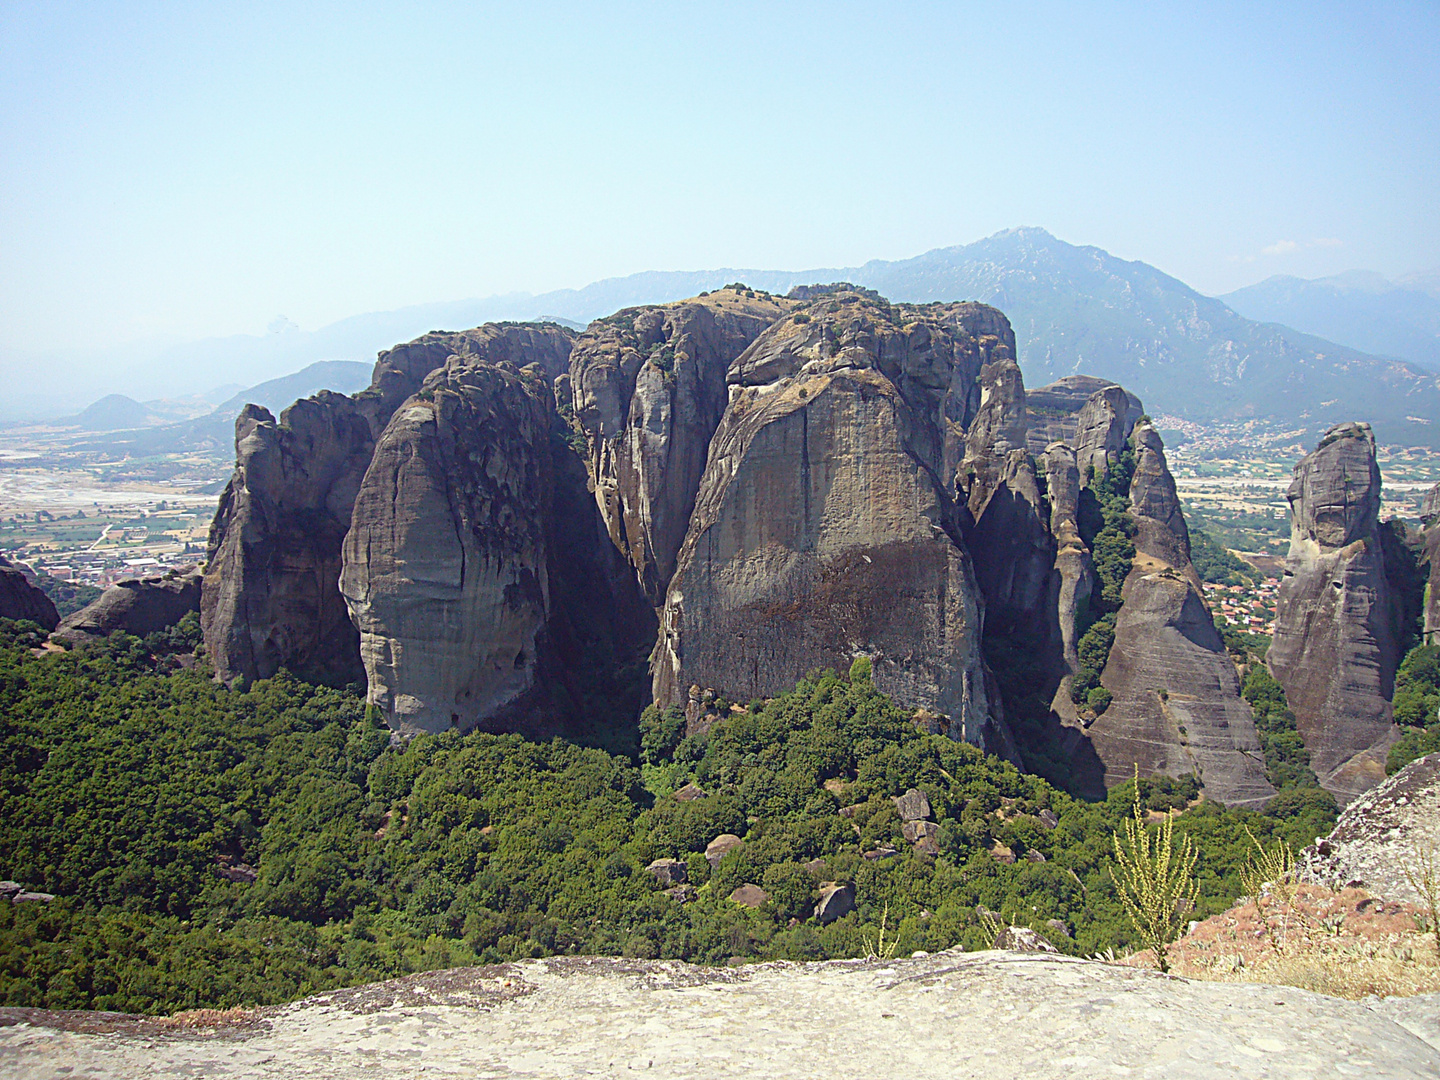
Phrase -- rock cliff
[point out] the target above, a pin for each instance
(1430, 518)
(791, 482)
(21, 600)
(1177, 707)
(648, 388)
(826, 527)
(1004, 514)
(138, 607)
(271, 597)
(445, 565)
(1339, 625)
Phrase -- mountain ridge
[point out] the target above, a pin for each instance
(1392, 318)
(1075, 308)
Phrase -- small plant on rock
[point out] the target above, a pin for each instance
(1270, 869)
(1155, 879)
(877, 948)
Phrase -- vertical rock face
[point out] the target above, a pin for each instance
(1005, 518)
(1336, 644)
(445, 567)
(270, 596)
(648, 388)
(1160, 529)
(1430, 518)
(138, 607)
(1072, 556)
(1102, 428)
(21, 600)
(825, 525)
(1177, 707)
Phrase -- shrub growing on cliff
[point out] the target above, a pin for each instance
(1287, 762)
(1417, 701)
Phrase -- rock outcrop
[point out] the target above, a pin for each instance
(445, 566)
(1176, 706)
(1339, 625)
(1073, 564)
(1053, 410)
(140, 606)
(21, 600)
(271, 596)
(611, 1016)
(826, 526)
(1387, 829)
(793, 483)
(649, 389)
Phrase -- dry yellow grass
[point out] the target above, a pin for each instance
(1345, 944)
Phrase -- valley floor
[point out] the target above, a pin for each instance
(951, 1014)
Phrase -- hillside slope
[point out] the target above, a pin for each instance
(1359, 309)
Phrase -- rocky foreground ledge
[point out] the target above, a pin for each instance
(951, 1014)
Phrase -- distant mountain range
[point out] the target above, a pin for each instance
(1361, 309)
(1074, 309)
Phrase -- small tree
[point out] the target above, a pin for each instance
(1154, 878)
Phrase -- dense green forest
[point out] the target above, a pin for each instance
(1216, 564)
(130, 788)
(68, 597)
(1417, 707)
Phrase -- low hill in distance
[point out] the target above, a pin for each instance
(114, 412)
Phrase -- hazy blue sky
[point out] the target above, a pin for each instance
(197, 169)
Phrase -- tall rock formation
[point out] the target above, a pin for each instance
(648, 388)
(140, 606)
(271, 597)
(1053, 410)
(826, 525)
(1430, 518)
(1072, 556)
(445, 566)
(1005, 519)
(1176, 705)
(1339, 629)
(21, 600)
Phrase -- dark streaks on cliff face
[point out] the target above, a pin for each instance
(822, 531)
(772, 485)
(271, 597)
(648, 388)
(1342, 613)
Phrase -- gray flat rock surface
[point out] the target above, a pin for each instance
(992, 1015)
